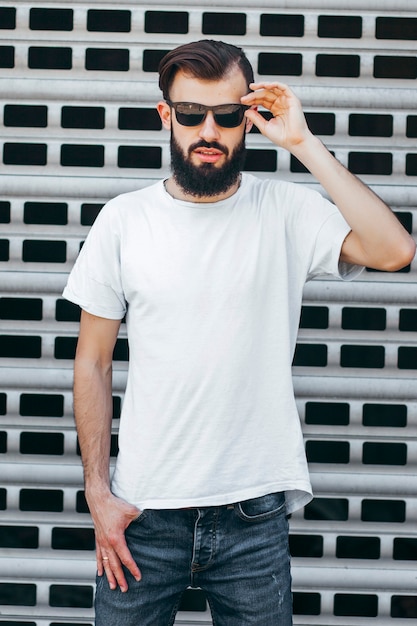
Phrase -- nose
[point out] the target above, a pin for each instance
(209, 130)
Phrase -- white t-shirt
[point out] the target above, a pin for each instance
(213, 295)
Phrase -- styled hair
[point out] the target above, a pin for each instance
(205, 59)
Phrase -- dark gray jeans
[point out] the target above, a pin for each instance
(238, 554)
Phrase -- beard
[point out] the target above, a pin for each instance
(206, 180)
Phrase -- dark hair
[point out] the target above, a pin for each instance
(205, 59)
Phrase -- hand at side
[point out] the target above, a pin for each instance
(111, 517)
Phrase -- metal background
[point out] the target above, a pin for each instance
(355, 548)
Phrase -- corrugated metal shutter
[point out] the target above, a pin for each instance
(77, 91)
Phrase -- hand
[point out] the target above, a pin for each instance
(288, 127)
(111, 517)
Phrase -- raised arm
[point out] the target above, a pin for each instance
(377, 238)
(93, 414)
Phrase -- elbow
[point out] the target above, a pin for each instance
(403, 256)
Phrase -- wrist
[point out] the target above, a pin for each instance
(97, 490)
(307, 146)
(314, 155)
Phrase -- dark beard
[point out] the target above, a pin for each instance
(206, 180)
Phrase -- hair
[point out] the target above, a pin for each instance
(205, 59)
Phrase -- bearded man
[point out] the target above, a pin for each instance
(209, 267)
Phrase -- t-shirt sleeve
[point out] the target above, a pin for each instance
(319, 229)
(95, 282)
(328, 245)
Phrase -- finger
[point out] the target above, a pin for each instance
(104, 560)
(101, 557)
(263, 92)
(112, 579)
(257, 119)
(99, 560)
(258, 97)
(268, 93)
(267, 99)
(103, 565)
(128, 561)
(270, 85)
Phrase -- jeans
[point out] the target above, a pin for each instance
(238, 554)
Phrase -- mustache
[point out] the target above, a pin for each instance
(208, 144)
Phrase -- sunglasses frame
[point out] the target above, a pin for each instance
(204, 109)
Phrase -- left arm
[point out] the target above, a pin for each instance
(377, 238)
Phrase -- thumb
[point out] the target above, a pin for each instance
(257, 119)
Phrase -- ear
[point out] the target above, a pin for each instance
(164, 111)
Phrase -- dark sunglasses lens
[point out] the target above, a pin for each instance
(189, 119)
(229, 120)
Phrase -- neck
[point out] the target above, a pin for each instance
(178, 193)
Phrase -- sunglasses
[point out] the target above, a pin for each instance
(193, 114)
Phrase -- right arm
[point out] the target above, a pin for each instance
(93, 414)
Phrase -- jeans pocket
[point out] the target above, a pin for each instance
(261, 508)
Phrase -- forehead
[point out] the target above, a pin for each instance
(187, 88)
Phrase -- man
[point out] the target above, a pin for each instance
(210, 266)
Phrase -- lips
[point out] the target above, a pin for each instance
(208, 155)
(208, 151)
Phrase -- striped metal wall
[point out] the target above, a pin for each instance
(78, 126)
